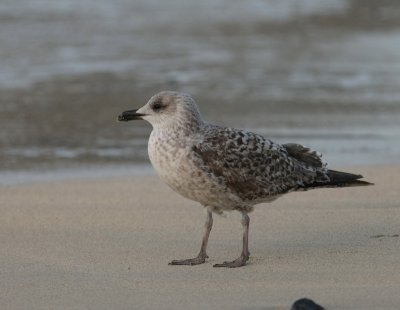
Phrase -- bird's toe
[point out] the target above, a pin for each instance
(191, 261)
(239, 262)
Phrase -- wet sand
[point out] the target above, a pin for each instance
(321, 73)
(105, 243)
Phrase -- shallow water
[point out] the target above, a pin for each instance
(322, 73)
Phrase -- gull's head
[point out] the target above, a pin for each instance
(167, 108)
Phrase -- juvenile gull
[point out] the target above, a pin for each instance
(226, 169)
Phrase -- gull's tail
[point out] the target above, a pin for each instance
(340, 179)
(313, 159)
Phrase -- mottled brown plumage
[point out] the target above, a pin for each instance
(254, 168)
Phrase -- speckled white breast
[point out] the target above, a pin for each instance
(172, 159)
(167, 158)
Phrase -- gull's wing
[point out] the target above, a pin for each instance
(251, 166)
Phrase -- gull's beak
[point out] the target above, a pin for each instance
(129, 116)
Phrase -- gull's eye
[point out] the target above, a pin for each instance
(157, 106)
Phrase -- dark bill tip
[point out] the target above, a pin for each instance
(129, 116)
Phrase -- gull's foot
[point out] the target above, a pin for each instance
(191, 261)
(239, 262)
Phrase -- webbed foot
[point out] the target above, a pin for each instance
(200, 259)
(239, 262)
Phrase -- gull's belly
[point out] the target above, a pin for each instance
(176, 168)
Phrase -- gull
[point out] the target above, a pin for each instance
(226, 169)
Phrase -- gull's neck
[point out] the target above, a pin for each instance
(184, 126)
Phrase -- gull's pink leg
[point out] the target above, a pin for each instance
(244, 256)
(201, 258)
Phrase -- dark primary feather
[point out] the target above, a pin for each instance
(255, 168)
(340, 179)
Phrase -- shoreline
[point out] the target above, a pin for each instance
(73, 172)
(93, 171)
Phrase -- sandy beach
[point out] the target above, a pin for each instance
(105, 243)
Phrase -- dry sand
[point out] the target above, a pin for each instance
(106, 244)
